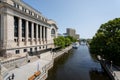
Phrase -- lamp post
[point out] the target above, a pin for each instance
(27, 57)
(52, 53)
(111, 66)
(38, 66)
(0, 66)
(0, 70)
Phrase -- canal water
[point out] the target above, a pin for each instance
(78, 64)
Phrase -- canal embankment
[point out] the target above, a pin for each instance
(112, 71)
(41, 66)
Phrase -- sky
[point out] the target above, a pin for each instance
(85, 16)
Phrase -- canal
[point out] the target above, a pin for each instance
(78, 64)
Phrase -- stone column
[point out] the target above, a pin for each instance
(40, 33)
(19, 31)
(44, 33)
(3, 30)
(32, 24)
(36, 33)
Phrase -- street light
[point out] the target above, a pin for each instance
(111, 66)
(26, 57)
(38, 66)
(0, 70)
(0, 66)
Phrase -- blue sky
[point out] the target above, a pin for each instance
(85, 16)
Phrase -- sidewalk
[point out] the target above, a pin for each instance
(27, 70)
(36, 64)
(24, 72)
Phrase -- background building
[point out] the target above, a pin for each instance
(77, 36)
(72, 32)
(24, 29)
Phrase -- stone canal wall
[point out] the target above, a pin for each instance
(109, 72)
(109, 69)
(51, 56)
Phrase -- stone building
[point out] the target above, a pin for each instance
(77, 36)
(72, 32)
(24, 29)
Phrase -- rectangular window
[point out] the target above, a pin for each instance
(42, 32)
(15, 26)
(23, 27)
(39, 47)
(42, 19)
(35, 15)
(17, 51)
(25, 50)
(38, 31)
(30, 49)
(23, 9)
(39, 17)
(35, 48)
(45, 32)
(34, 30)
(16, 5)
(30, 29)
(30, 12)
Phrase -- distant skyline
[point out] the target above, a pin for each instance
(85, 16)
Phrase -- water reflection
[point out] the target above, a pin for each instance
(77, 65)
(95, 74)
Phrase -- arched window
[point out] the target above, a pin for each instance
(53, 31)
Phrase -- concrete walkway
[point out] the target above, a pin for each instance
(116, 75)
(27, 70)
(24, 72)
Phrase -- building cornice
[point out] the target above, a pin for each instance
(21, 2)
(20, 11)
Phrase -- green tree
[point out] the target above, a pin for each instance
(67, 41)
(107, 40)
(63, 41)
(60, 42)
(72, 39)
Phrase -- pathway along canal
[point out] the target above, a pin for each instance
(78, 64)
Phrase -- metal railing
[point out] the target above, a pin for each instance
(44, 71)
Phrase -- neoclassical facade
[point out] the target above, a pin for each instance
(23, 29)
